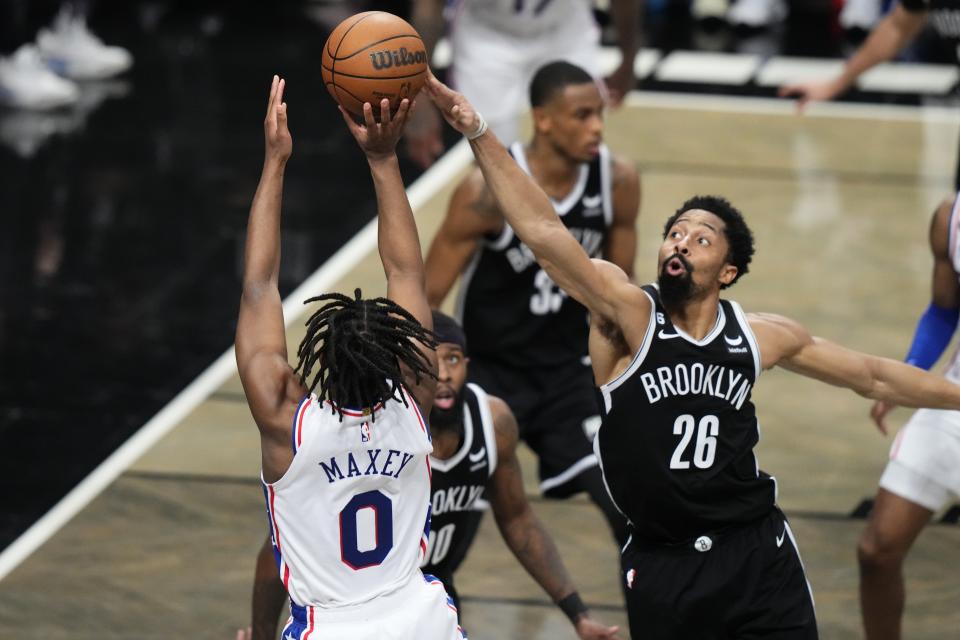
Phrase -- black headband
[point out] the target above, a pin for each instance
(448, 330)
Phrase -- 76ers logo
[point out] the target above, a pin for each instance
(365, 434)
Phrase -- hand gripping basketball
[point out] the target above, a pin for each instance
(378, 139)
(456, 109)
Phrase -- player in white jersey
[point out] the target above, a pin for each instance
(498, 45)
(923, 474)
(345, 470)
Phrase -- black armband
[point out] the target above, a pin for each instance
(572, 606)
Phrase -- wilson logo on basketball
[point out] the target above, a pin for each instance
(398, 58)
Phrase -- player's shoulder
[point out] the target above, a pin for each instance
(777, 336)
(623, 168)
(473, 199)
(504, 423)
(940, 224)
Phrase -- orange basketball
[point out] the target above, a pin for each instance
(371, 56)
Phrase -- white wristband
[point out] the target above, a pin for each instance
(481, 128)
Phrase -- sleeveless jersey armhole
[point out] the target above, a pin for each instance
(486, 418)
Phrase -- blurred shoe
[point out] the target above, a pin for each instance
(708, 9)
(757, 13)
(71, 50)
(860, 14)
(27, 83)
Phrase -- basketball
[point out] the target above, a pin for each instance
(371, 56)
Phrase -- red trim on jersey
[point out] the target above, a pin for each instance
(310, 623)
(303, 412)
(355, 414)
(276, 538)
(416, 408)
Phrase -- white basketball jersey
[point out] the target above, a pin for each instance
(349, 517)
(526, 18)
(953, 370)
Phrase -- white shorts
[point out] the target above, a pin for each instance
(924, 465)
(494, 69)
(421, 609)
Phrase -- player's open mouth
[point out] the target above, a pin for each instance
(675, 267)
(444, 398)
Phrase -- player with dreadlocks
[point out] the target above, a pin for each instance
(370, 336)
(345, 472)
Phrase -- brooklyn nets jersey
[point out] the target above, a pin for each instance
(349, 517)
(457, 483)
(510, 309)
(676, 442)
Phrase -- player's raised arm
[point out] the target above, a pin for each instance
(397, 238)
(786, 343)
(626, 18)
(621, 246)
(528, 210)
(261, 348)
(525, 534)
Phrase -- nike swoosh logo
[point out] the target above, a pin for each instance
(666, 336)
(781, 537)
(478, 456)
(592, 201)
(733, 342)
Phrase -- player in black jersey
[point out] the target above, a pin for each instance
(891, 35)
(528, 339)
(711, 555)
(474, 449)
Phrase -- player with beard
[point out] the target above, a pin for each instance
(710, 554)
(528, 339)
(474, 449)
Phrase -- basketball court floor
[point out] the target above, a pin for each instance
(160, 541)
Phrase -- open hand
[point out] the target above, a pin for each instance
(279, 144)
(378, 139)
(879, 412)
(807, 92)
(454, 108)
(590, 629)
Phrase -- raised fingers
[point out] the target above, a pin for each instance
(384, 112)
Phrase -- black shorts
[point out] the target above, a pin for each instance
(558, 414)
(749, 583)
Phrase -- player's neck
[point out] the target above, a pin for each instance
(447, 440)
(696, 317)
(551, 169)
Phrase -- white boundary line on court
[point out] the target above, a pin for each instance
(364, 241)
(787, 107)
(324, 278)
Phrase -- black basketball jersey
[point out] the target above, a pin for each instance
(456, 484)
(944, 18)
(676, 442)
(510, 309)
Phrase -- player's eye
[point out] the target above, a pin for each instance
(703, 241)
(674, 234)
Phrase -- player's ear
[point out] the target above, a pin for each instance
(541, 120)
(728, 274)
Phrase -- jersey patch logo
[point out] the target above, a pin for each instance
(592, 206)
(734, 342)
(781, 537)
(365, 434)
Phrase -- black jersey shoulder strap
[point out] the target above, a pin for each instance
(478, 403)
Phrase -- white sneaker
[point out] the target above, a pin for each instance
(27, 83)
(860, 14)
(708, 9)
(71, 50)
(757, 13)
